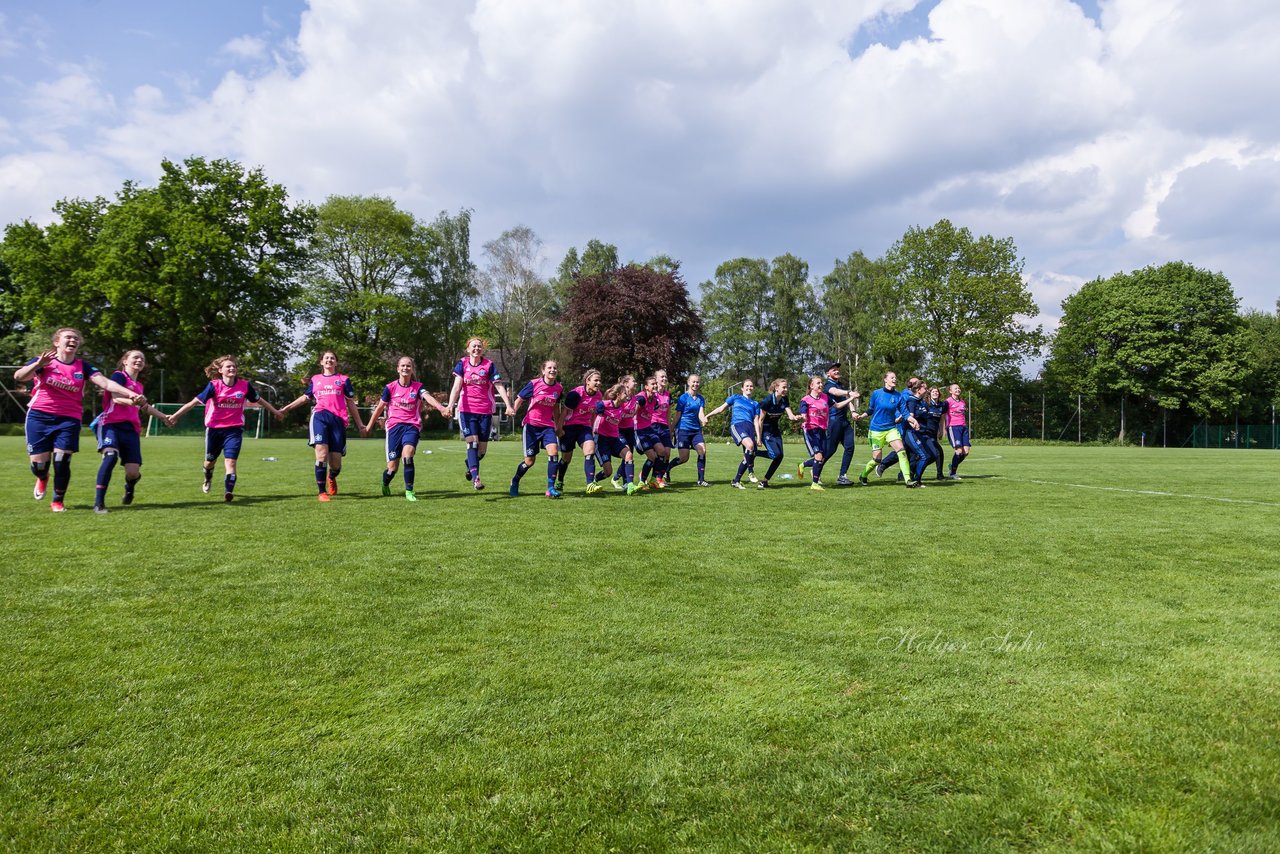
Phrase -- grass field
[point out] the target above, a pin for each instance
(1071, 648)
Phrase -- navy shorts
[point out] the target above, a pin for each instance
(577, 434)
(689, 439)
(771, 446)
(610, 446)
(46, 432)
(399, 436)
(328, 429)
(479, 426)
(815, 442)
(743, 430)
(222, 440)
(122, 437)
(958, 436)
(839, 432)
(536, 438)
(649, 437)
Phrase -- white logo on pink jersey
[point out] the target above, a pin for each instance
(477, 386)
(225, 407)
(629, 414)
(662, 408)
(404, 405)
(330, 394)
(58, 388)
(585, 412)
(955, 410)
(115, 413)
(612, 420)
(542, 403)
(816, 412)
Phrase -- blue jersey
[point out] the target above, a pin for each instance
(884, 409)
(933, 417)
(742, 409)
(916, 407)
(689, 405)
(832, 399)
(774, 408)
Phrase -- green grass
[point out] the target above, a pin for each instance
(994, 664)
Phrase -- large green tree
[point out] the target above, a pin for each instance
(206, 262)
(964, 301)
(382, 284)
(1262, 381)
(517, 303)
(860, 304)
(735, 309)
(1170, 334)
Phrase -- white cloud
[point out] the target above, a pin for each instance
(722, 128)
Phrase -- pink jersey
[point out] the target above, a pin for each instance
(954, 411)
(404, 404)
(477, 386)
(330, 392)
(224, 404)
(662, 408)
(816, 411)
(119, 413)
(644, 412)
(628, 409)
(543, 400)
(58, 388)
(611, 422)
(584, 414)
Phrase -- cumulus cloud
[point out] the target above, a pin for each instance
(716, 129)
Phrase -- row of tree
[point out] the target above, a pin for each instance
(216, 259)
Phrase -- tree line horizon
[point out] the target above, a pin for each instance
(215, 259)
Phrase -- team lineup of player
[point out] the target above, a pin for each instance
(621, 423)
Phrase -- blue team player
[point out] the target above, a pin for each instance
(691, 407)
(840, 432)
(745, 425)
(885, 428)
(774, 406)
(931, 430)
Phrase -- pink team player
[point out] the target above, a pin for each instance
(580, 413)
(224, 400)
(56, 409)
(816, 412)
(955, 420)
(542, 425)
(404, 400)
(333, 398)
(119, 430)
(612, 440)
(475, 380)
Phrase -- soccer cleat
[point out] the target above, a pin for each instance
(227, 497)
(737, 484)
(594, 487)
(843, 481)
(953, 477)
(332, 487)
(206, 486)
(386, 488)
(617, 484)
(514, 489)
(939, 477)
(552, 492)
(661, 483)
(57, 507)
(817, 487)
(323, 496)
(879, 470)
(650, 481)
(468, 475)
(128, 497)
(764, 484)
(751, 476)
(99, 509)
(914, 484)
(560, 486)
(703, 483)
(38, 492)
(409, 496)
(632, 489)
(862, 480)
(800, 471)
(477, 483)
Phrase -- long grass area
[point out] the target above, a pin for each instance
(1070, 648)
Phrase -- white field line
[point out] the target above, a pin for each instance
(1143, 491)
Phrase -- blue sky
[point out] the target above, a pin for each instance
(1101, 136)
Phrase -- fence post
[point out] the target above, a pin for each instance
(1079, 430)
(1010, 416)
(1042, 417)
(1164, 416)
